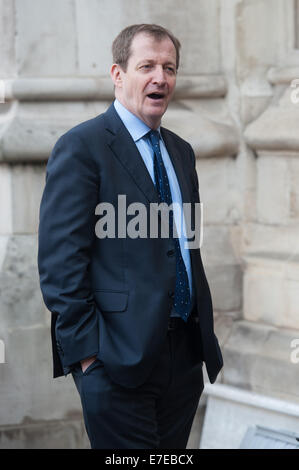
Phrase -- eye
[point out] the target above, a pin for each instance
(170, 69)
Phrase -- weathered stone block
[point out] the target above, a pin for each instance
(221, 244)
(7, 46)
(230, 411)
(258, 357)
(198, 42)
(21, 303)
(277, 128)
(271, 289)
(196, 430)
(60, 434)
(40, 125)
(218, 190)
(270, 240)
(28, 389)
(226, 287)
(19, 213)
(5, 200)
(294, 188)
(273, 193)
(256, 27)
(28, 180)
(47, 28)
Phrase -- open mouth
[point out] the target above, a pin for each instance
(155, 96)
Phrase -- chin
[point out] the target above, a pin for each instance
(157, 110)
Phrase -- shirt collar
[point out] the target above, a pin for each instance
(135, 126)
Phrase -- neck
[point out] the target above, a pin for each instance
(153, 122)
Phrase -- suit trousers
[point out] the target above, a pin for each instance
(155, 415)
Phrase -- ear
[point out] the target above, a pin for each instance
(116, 74)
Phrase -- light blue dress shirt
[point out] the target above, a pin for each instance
(137, 128)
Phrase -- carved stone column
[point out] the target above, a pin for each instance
(260, 377)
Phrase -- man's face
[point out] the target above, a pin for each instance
(148, 85)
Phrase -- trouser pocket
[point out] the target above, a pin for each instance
(77, 368)
(93, 365)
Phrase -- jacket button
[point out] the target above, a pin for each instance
(170, 253)
(59, 348)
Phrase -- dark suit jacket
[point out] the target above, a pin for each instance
(112, 297)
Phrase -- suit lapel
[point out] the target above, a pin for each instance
(124, 148)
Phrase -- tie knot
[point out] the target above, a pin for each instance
(154, 137)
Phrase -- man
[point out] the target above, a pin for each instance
(132, 317)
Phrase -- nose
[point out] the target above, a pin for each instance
(159, 76)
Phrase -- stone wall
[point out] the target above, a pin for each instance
(233, 105)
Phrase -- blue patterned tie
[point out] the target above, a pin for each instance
(182, 301)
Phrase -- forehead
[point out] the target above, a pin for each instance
(145, 46)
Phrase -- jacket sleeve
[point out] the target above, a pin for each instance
(66, 236)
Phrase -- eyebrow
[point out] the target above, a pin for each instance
(152, 61)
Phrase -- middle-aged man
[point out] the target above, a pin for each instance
(132, 317)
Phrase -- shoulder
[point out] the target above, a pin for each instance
(94, 130)
(81, 141)
(75, 148)
(86, 129)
